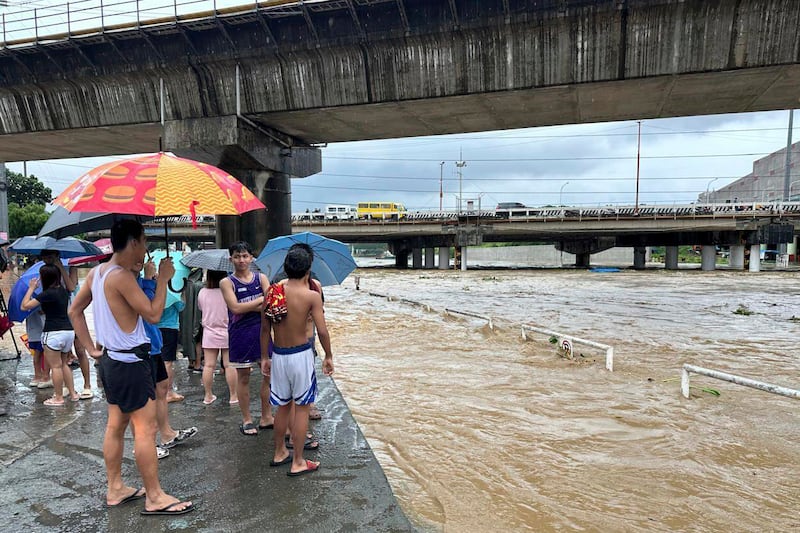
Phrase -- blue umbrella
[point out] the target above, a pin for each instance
(178, 280)
(15, 313)
(332, 259)
(67, 247)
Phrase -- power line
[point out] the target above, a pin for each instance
(528, 159)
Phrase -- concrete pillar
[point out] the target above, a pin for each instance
(444, 257)
(430, 261)
(755, 258)
(264, 161)
(401, 259)
(639, 257)
(457, 258)
(416, 258)
(583, 260)
(463, 258)
(736, 257)
(671, 258)
(708, 257)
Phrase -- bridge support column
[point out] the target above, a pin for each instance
(416, 258)
(736, 257)
(263, 160)
(671, 258)
(639, 257)
(755, 258)
(708, 257)
(430, 260)
(444, 257)
(464, 258)
(583, 260)
(401, 259)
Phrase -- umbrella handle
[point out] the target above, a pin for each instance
(173, 289)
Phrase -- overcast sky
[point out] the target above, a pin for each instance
(585, 165)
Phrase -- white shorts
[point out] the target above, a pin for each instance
(292, 376)
(59, 341)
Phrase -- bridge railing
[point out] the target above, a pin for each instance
(579, 214)
(86, 17)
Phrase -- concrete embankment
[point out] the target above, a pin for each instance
(53, 475)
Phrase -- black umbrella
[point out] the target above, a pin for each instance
(62, 223)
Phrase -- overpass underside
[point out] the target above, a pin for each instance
(369, 69)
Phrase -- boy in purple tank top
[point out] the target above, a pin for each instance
(244, 295)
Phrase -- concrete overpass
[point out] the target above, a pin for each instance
(252, 90)
(574, 230)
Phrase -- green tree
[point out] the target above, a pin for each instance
(24, 190)
(26, 219)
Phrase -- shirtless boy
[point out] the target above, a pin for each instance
(243, 292)
(126, 369)
(291, 370)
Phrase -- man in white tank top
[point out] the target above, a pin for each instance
(126, 369)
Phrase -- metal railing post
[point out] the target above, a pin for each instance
(69, 22)
(35, 26)
(102, 18)
(138, 21)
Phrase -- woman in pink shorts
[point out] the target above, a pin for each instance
(214, 314)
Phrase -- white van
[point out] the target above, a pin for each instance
(340, 212)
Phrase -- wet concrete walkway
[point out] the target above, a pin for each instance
(53, 476)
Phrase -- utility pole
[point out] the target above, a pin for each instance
(460, 164)
(638, 157)
(787, 180)
(441, 190)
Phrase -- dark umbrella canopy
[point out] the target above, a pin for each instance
(67, 247)
(62, 223)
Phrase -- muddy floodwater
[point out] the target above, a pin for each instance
(478, 430)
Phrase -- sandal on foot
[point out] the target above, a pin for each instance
(135, 495)
(176, 398)
(283, 462)
(213, 399)
(86, 394)
(179, 437)
(51, 402)
(244, 428)
(311, 466)
(169, 510)
(266, 426)
(310, 444)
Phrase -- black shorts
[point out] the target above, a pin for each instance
(169, 350)
(159, 369)
(127, 385)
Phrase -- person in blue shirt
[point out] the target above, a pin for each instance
(169, 436)
(169, 325)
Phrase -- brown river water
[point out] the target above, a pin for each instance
(478, 430)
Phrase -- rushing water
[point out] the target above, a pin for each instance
(478, 430)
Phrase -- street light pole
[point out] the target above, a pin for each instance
(460, 164)
(561, 191)
(441, 190)
(638, 158)
(709, 185)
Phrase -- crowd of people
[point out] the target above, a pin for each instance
(248, 323)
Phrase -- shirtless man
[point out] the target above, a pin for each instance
(126, 369)
(291, 370)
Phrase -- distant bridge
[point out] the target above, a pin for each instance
(577, 230)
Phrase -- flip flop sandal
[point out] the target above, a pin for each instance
(246, 427)
(310, 444)
(181, 436)
(311, 466)
(169, 510)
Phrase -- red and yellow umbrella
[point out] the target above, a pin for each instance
(158, 185)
